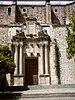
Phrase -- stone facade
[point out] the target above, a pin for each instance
(38, 35)
(66, 66)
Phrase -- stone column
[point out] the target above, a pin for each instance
(41, 60)
(53, 69)
(20, 59)
(16, 57)
(41, 65)
(46, 58)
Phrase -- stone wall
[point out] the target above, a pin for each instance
(69, 9)
(3, 35)
(27, 11)
(7, 14)
(67, 67)
(4, 18)
(61, 14)
(58, 14)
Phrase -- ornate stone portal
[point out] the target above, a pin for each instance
(32, 55)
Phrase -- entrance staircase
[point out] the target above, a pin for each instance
(49, 91)
(41, 92)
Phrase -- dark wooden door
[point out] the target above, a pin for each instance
(31, 71)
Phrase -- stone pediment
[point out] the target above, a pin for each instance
(31, 30)
(20, 36)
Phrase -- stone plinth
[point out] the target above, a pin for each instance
(18, 81)
(44, 79)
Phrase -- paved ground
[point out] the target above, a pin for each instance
(53, 98)
(35, 93)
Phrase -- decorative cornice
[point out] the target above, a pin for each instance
(18, 37)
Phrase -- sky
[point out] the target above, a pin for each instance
(38, 0)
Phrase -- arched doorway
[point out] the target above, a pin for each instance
(31, 71)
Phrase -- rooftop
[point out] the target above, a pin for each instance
(36, 2)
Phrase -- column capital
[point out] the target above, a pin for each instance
(21, 43)
(41, 43)
(53, 42)
(15, 43)
(46, 43)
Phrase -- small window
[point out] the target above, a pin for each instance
(64, 20)
(9, 11)
(24, 10)
(55, 10)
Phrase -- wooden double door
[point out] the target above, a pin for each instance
(31, 71)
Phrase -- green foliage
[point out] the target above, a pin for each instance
(71, 37)
(6, 61)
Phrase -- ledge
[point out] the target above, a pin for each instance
(44, 75)
(17, 75)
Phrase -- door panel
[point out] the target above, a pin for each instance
(31, 71)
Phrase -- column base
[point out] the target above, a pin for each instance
(8, 79)
(54, 80)
(44, 79)
(18, 80)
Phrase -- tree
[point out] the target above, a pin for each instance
(71, 38)
(6, 61)
(6, 65)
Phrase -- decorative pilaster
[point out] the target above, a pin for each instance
(20, 59)
(53, 68)
(44, 75)
(46, 58)
(41, 65)
(16, 57)
(41, 60)
(18, 76)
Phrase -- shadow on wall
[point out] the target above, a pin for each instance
(55, 20)
(57, 62)
(19, 16)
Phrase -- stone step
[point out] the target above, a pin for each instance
(34, 87)
(41, 91)
(48, 95)
(48, 92)
(51, 96)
